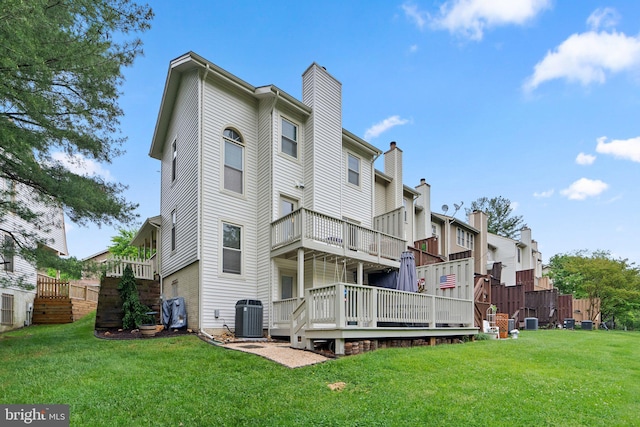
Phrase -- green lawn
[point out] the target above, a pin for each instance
(562, 378)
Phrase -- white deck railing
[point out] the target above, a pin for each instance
(282, 310)
(344, 305)
(304, 224)
(142, 269)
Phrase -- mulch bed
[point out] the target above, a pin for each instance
(129, 334)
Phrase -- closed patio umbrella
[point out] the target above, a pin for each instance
(407, 278)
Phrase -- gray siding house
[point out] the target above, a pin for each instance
(267, 197)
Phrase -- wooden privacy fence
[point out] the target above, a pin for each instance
(51, 288)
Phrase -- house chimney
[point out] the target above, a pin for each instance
(423, 217)
(323, 140)
(393, 168)
(478, 220)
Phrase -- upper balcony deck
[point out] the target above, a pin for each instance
(311, 230)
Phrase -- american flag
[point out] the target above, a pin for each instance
(448, 281)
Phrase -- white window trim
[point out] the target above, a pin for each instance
(173, 231)
(221, 251)
(359, 184)
(242, 195)
(174, 160)
(7, 313)
(298, 158)
(460, 237)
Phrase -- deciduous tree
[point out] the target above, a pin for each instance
(597, 275)
(500, 218)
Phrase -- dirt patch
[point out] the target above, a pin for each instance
(132, 334)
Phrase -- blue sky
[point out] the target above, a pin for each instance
(533, 100)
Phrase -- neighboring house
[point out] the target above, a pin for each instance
(16, 302)
(93, 279)
(457, 239)
(267, 197)
(521, 260)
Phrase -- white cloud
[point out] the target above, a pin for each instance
(472, 17)
(383, 126)
(418, 17)
(587, 58)
(628, 149)
(603, 18)
(82, 166)
(585, 159)
(544, 194)
(514, 205)
(413, 48)
(583, 188)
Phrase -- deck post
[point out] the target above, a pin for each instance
(432, 321)
(339, 347)
(300, 272)
(341, 297)
(303, 227)
(360, 272)
(374, 308)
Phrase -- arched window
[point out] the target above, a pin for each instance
(233, 161)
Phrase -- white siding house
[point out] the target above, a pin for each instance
(266, 197)
(16, 273)
(515, 255)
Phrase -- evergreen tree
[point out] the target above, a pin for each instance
(60, 71)
(134, 312)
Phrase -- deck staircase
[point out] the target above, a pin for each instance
(481, 299)
(298, 325)
(58, 301)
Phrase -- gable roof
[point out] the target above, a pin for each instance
(452, 220)
(191, 61)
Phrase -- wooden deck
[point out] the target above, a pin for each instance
(314, 231)
(343, 312)
(142, 268)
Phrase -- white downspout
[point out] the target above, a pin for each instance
(200, 192)
(373, 188)
(270, 302)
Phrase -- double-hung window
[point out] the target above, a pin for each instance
(289, 138)
(233, 161)
(353, 167)
(231, 248)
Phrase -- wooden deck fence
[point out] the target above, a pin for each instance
(142, 269)
(52, 288)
